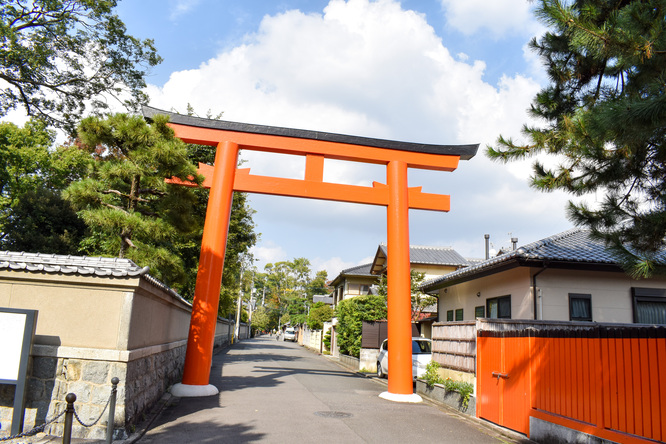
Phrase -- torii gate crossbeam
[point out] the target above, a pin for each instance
(225, 178)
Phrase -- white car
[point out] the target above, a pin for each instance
(421, 356)
(289, 334)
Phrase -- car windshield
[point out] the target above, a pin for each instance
(419, 347)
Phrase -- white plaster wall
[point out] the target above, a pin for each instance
(515, 282)
(77, 312)
(610, 293)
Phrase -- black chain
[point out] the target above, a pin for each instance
(76, 415)
(35, 430)
(40, 428)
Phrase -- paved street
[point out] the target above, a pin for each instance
(279, 392)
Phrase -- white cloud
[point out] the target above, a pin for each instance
(500, 17)
(370, 69)
(180, 7)
(268, 253)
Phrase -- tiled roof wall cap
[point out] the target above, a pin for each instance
(83, 265)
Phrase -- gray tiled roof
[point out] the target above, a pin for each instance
(574, 246)
(419, 254)
(359, 270)
(81, 265)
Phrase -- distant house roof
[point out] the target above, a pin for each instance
(321, 298)
(572, 249)
(359, 270)
(421, 255)
(77, 265)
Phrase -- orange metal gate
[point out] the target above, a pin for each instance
(605, 380)
(503, 380)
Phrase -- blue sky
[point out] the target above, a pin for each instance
(439, 71)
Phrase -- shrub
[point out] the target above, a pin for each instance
(432, 377)
(351, 313)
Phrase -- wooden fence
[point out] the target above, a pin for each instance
(605, 380)
(454, 345)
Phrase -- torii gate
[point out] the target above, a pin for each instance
(224, 178)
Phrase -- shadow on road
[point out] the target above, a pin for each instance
(200, 432)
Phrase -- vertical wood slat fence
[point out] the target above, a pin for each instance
(602, 379)
(454, 345)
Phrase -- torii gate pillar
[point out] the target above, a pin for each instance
(224, 178)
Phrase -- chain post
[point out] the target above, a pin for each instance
(69, 418)
(112, 410)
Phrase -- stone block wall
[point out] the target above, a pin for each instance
(51, 379)
(144, 377)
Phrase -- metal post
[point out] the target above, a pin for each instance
(112, 410)
(69, 418)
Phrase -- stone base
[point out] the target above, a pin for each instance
(193, 391)
(413, 398)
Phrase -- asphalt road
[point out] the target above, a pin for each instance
(279, 392)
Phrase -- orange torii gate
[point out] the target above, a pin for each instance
(224, 178)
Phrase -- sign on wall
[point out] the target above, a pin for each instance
(17, 330)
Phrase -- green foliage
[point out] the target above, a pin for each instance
(351, 313)
(433, 377)
(33, 216)
(288, 287)
(129, 209)
(261, 319)
(604, 117)
(59, 58)
(327, 340)
(420, 300)
(319, 313)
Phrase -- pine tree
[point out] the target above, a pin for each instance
(129, 209)
(605, 120)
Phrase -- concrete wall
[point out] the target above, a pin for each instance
(91, 329)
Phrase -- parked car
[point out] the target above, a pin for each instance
(421, 356)
(289, 334)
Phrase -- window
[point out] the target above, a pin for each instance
(649, 305)
(499, 308)
(480, 312)
(459, 314)
(449, 315)
(580, 307)
(365, 289)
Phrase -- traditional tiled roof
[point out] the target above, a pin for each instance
(419, 254)
(358, 270)
(326, 299)
(77, 265)
(574, 247)
(82, 265)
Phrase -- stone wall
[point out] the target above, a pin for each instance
(144, 377)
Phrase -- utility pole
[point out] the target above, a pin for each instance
(238, 304)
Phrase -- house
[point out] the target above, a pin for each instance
(363, 279)
(565, 277)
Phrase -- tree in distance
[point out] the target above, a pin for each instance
(605, 120)
(62, 58)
